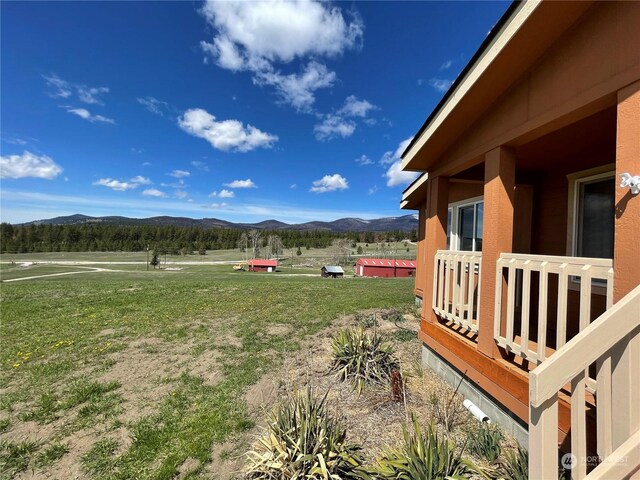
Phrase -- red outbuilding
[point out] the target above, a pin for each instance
(383, 267)
(258, 265)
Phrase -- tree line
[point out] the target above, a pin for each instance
(170, 239)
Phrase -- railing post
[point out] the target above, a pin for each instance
(499, 184)
(543, 440)
(436, 239)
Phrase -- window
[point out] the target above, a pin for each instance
(594, 216)
(464, 225)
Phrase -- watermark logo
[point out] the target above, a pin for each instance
(568, 461)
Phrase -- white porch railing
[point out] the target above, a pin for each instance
(573, 274)
(612, 342)
(456, 287)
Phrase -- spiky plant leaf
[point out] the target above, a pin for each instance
(303, 441)
(362, 358)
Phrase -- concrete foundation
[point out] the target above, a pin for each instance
(509, 422)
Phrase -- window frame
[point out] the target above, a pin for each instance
(454, 209)
(576, 179)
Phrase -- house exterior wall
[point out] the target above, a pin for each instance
(576, 77)
(587, 78)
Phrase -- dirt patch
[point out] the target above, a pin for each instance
(106, 332)
(278, 329)
(227, 460)
(188, 466)
(207, 366)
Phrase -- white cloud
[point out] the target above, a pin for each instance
(28, 165)
(329, 183)
(298, 89)
(64, 89)
(200, 165)
(395, 175)
(86, 115)
(356, 108)
(364, 160)
(154, 105)
(339, 124)
(440, 84)
(372, 190)
(154, 192)
(226, 135)
(181, 194)
(179, 173)
(255, 36)
(140, 180)
(334, 126)
(293, 185)
(216, 205)
(222, 194)
(248, 183)
(90, 95)
(226, 194)
(122, 186)
(115, 184)
(274, 30)
(446, 65)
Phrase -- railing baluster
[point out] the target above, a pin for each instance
(603, 406)
(470, 287)
(435, 302)
(511, 301)
(447, 284)
(542, 312)
(455, 296)
(561, 318)
(524, 316)
(578, 427)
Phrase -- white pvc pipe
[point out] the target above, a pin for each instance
(475, 411)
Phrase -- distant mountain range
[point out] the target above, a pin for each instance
(404, 223)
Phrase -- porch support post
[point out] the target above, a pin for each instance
(436, 237)
(625, 380)
(497, 226)
(420, 257)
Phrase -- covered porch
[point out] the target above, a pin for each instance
(528, 244)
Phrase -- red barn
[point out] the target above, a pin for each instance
(383, 267)
(258, 265)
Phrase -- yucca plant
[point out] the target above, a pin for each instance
(424, 456)
(515, 465)
(363, 358)
(303, 441)
(484, 442)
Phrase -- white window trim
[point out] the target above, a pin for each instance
(575, 180)
(455, 209)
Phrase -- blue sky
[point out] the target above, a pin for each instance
(243, 111)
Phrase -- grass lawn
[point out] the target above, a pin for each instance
(127, 374)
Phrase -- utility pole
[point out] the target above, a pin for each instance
(147, 258)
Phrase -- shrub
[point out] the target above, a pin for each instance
(362, 358)
(422, 456)
(303, 441)
(484, 442)
(366, 320)
(515, 465)
(447, 410)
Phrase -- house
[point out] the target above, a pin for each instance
(528, 267)
(384, 267)
(258, 265)
(332, 271)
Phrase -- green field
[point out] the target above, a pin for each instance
(128, 373)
